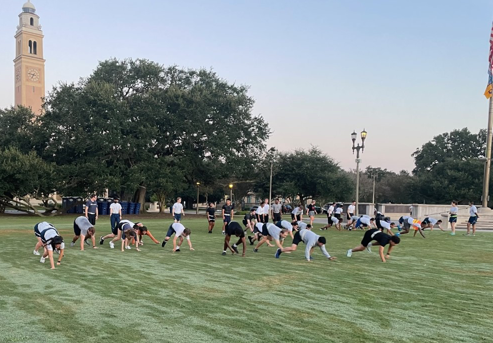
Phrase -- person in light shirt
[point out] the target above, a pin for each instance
(276, 211)
(473, 218)
(351, 210)
(430, 223)
(311, 240)
(177, 211)
(260, 213)
(330, 211)
(115, 218)
(454, 211)
(266, 210)
(407, 222)
(297, 213)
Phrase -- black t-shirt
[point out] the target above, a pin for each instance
(382, 238)
(227, 209)
(233, 228)
(247, 216)
(311, 208)
(211, 211)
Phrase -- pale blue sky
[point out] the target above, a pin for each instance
(404, 70)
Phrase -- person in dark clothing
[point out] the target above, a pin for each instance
(379, 238)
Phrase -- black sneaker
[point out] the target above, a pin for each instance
(224, 253)
(177, 250)
(255, 250)
(101, 240)
(163, 244)
(250, 239)
(210, 232)
(235, 249)
(278, 252)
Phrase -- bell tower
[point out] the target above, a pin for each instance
(29, 63)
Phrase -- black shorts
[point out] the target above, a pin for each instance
(245, 222)
(265, 232)
(349, 215)
(276, 217)
(338, 216)
(296, 217)
(114, 230)
(297, 238)
(91, 218)
(256, 230)
(329, 220)
(266, 218)
(211, 219)
(425, 221)
(367, 237)
(76, 229)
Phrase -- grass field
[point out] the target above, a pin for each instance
(437, 289)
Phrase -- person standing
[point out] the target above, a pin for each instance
(266, 210)
(115, 217)
(91, 211)
(260, 212)
(351, 211)
(454, 211)
(473, 218)
(210, 213)
(311, 211)
(228, 214)
(177, 210)
(276, 211)
(83, 228)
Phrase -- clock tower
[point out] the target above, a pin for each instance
(29, 63)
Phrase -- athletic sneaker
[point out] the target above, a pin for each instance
(141, 243)
(235, 248)
(162, 244)
(210, 232)
(368, 247)
(255, 250)
(278, 252)
(112, 245)
(177, 250)
(467, 234)
(101, 240)
(349, 253)
(311, 258)
(250, 239)
(224, 253)
(452, 234)
(128, 247)
(42, 259)
(72, 244)
(224, 232)
(35, 252)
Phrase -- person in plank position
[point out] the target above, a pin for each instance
(311, 239)
(271, 232)
(234, 229)
(379, 238)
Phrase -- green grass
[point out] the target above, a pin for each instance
(437, 289)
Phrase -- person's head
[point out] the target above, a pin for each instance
(252, 210)
(309, 226)
(116, 199)
(91, 231)
(238, 232)
(294, 224)
(392, 225)
(284, 233)
(439, 221)
(471, 203)
(266, 201)
(187, 232)
(321, 241)
(262, 204)
(129, 234)
(94, 197)
(178, 199)
(300, 206)
(142, 229)
(372, 220)
(276, 201)
(56, 242)
(228, 202)
(354, 203)
(394, 240)
(313, 202)
(211, 204)
(333, 203)
(454, 203)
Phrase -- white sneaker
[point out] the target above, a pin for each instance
(72, 244)
(349, 253)
(141, 243)
(112, 245)
(128, 247)
(42, 259)
(368, 247)
(35, 252)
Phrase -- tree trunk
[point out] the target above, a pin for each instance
(161, 197)
(140, 197)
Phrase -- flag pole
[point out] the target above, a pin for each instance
(486, 181)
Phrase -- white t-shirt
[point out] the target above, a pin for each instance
(48, 236)
(454, 210)
(276, 208)
(259, 226)
(115, 208)
(365, 220)
(385, 225)
(302, 225)
(178, 208)
(260, 210)
(339, 210)
(286, 225)
(331, 209)
(432, 221)
(274, 231)
(179, 228)
(266, 209)
(351, 208)
(472, 211)
(297, 211)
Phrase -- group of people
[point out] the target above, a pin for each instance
(256, 221)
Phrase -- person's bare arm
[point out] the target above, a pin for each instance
(82, 242)
(232, 214)
(278, 243)
(190, 243)
(62, 253)
(50, 255)
(93, 240)
(174, 243)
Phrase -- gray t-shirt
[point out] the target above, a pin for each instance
(274, 231)
(83, 224)
(311, 239)
(276, 208)
(286, 225)
(92, 206)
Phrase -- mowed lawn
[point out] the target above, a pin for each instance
(438, 289)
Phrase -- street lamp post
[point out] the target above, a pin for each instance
(198, 194)
(358, 147)
(231, 192)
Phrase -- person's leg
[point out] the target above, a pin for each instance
(293, 247)
(262, 241)
(474, 228)
(468, 227)
(226, 243)
(152, 237)
(118, 237)
(38, 245)
(358, 248)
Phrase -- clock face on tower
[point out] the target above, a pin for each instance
(33, 75)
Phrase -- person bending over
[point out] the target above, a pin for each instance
(180, 233)
(234, 229)
(311, 240)
(380, 239)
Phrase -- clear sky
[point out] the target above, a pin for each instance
(318, 69)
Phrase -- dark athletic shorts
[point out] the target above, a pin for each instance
(297, 238)
(227, 219)
(367, 237)
(452, 219)
(171, 231)
(265, 232)
(276, 217)
(76, 229)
